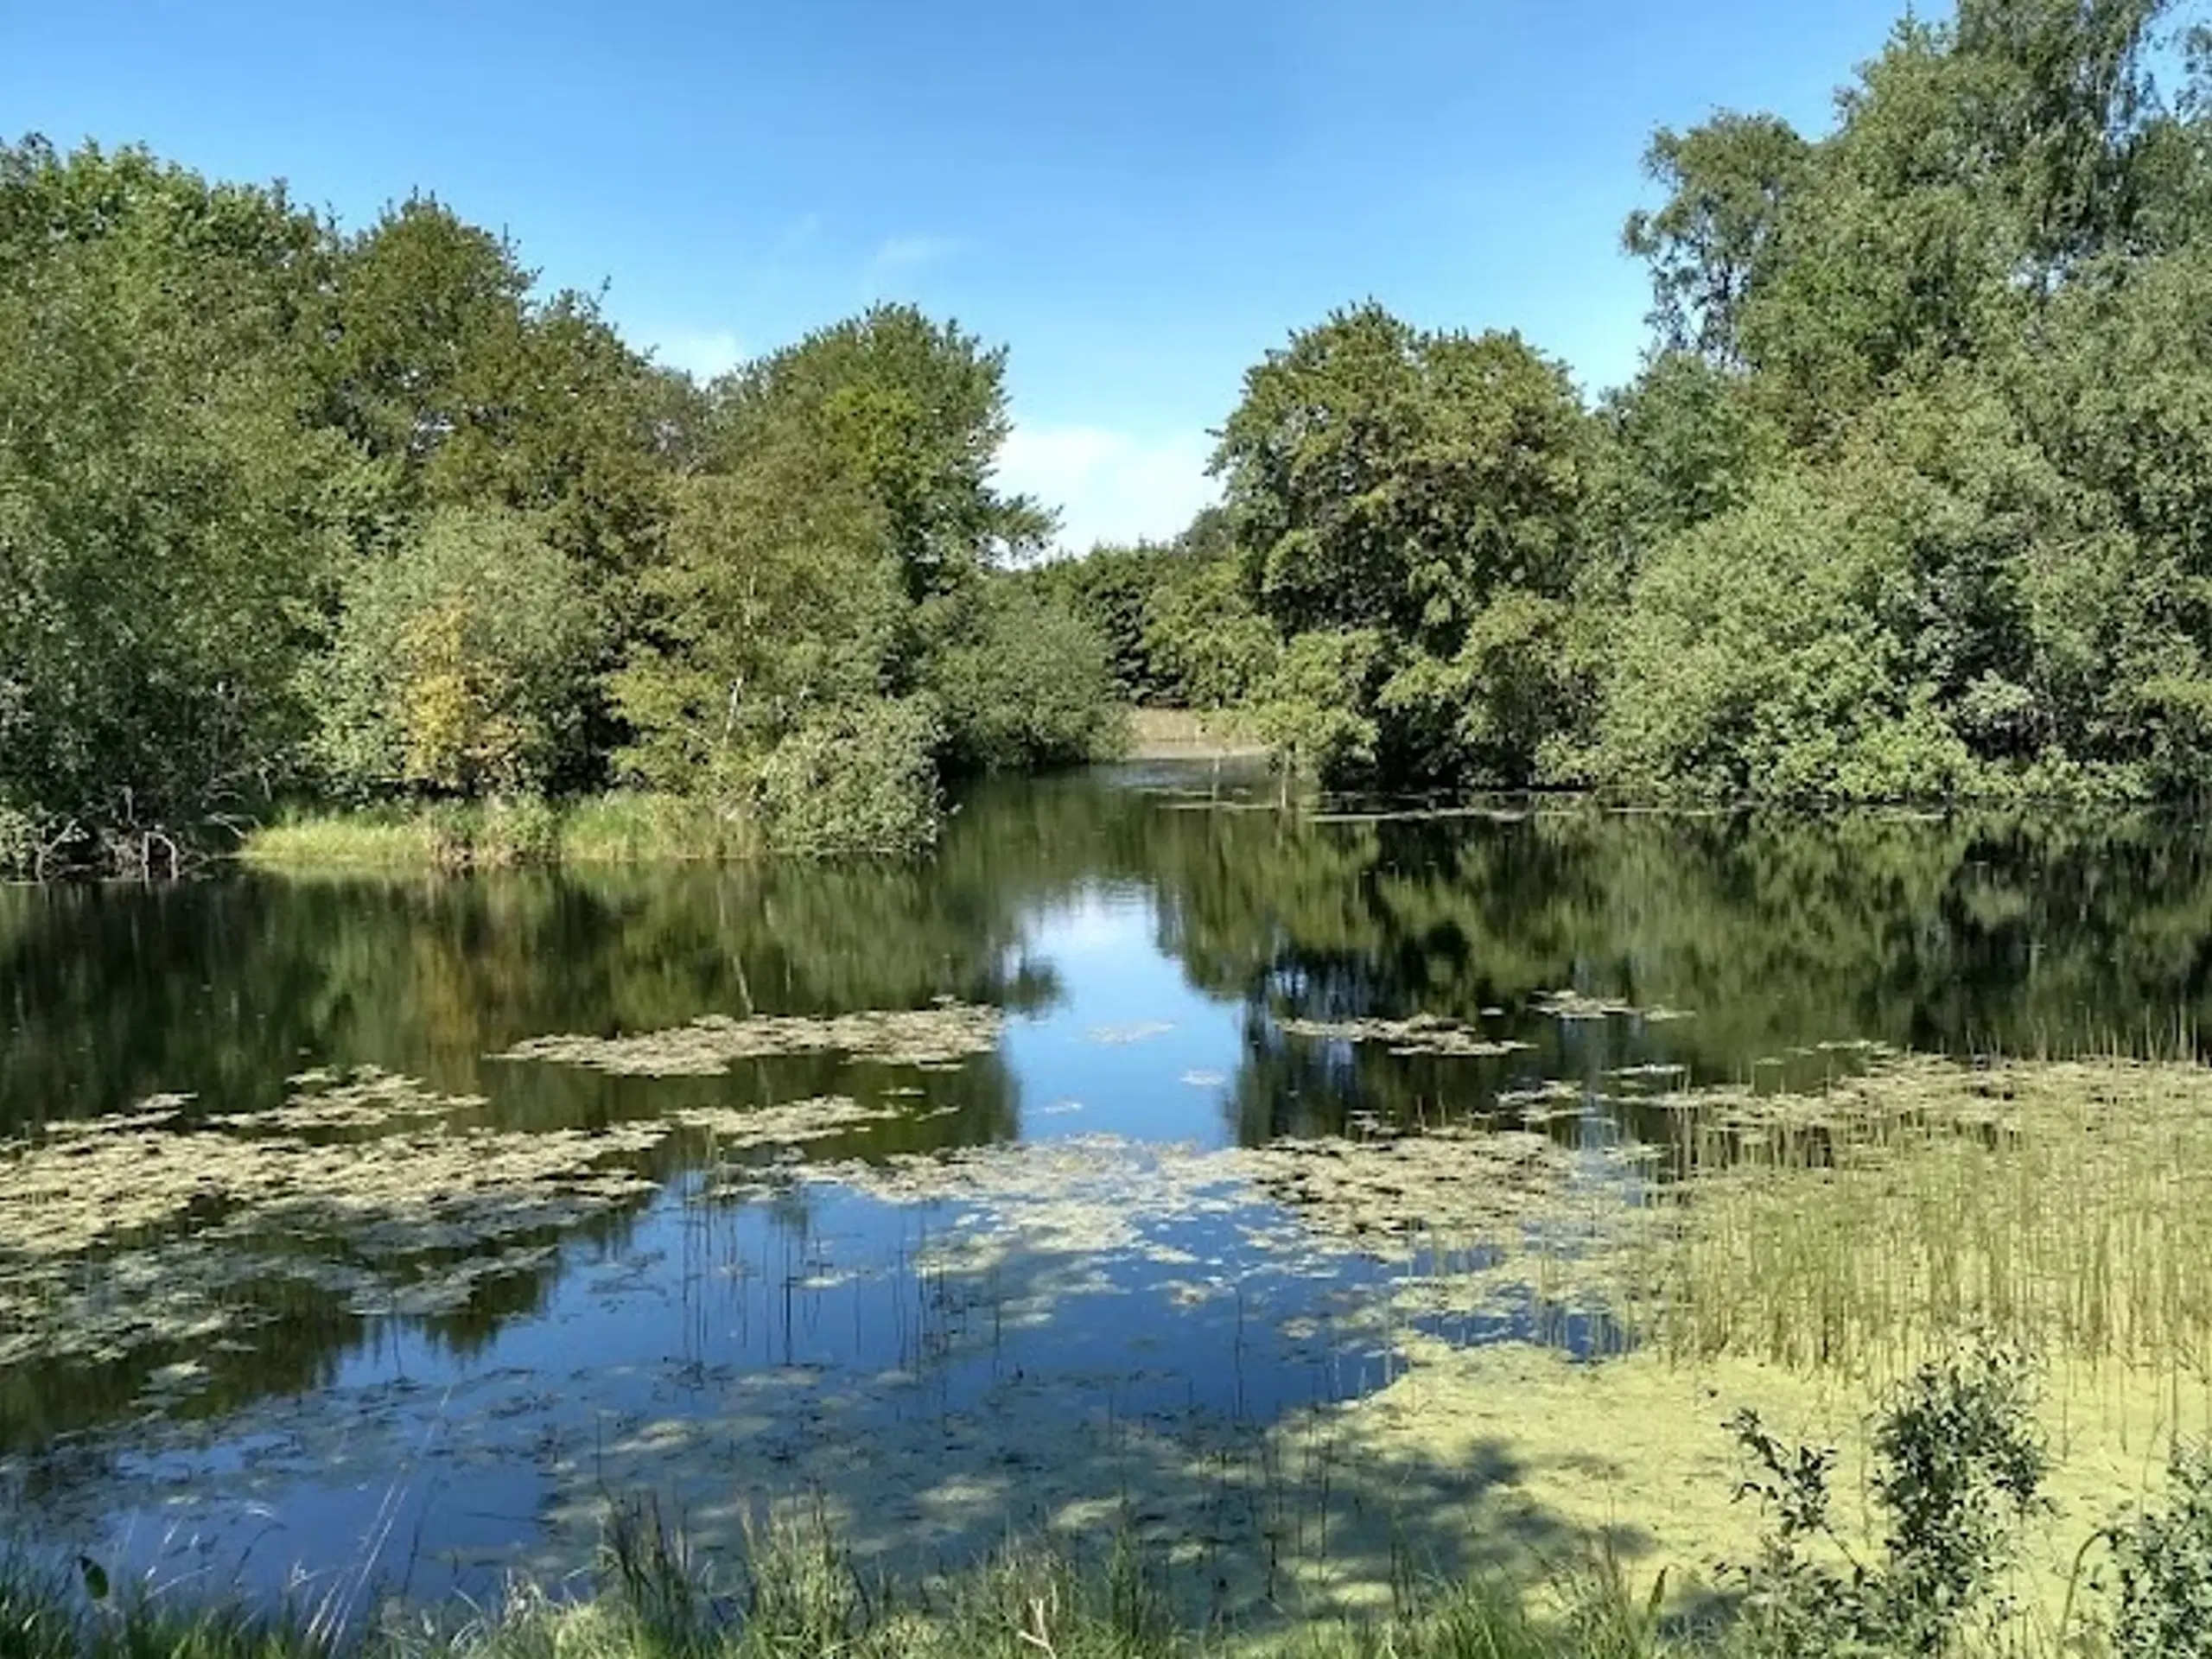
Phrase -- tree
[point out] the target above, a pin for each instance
(912, 411)
(1687, 441)
(167, 513)
(1022, 683)
(779, 596)
(461, 663)
(1391, 487)
(1710, 243)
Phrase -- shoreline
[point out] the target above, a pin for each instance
(1187, 735)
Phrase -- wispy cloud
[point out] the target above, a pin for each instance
(912, 252)
(702, 354)
(896, 266)
(800, 231)
(1109, 485)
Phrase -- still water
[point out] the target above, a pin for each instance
(1149, 934)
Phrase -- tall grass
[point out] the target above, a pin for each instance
(617, 829)
(2062, 1206)
(797, 1595)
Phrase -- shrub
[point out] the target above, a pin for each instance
(1958, 1466)
(854, 780)
(2164, 1561)
(518, 830)
(1022, 683)
(462, 663)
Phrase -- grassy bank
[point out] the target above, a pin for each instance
(1189, 734)
(1958, 1470)
(801, 1599)
(616, 828)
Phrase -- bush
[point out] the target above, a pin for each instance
(855, 781)
(462, 664)
(2164, 1559)
(1022, 683)
(1762, 657)
(518, 830)
(1958, 1465)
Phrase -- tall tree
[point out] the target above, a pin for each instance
(1419, 496)
(168, 511)
(913, 411)
(1727, 182)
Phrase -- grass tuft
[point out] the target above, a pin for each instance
(617, 829)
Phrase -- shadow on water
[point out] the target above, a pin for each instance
(1147, 941)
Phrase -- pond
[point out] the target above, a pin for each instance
(325, 1264)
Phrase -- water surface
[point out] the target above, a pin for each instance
(1148, 932)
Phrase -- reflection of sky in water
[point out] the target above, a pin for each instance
(441, 1465)
(1133, 1049)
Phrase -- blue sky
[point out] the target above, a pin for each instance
(1139, 198)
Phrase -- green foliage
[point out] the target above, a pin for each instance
(1390, 490)
(1759, 656)
(466, 389)
(1309, 707)
(1685, 444)
(1713, 240)
(1111, 590)
(1020, 683)
(460, 663)
(165, 515)
(19, 844)
(858, 779)
(1208, 644)
(777, 597)
(833, 563)
(912, 413)
(1909, 500)
(2163, 1562)
(1958, 1466)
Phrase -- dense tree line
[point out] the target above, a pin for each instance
(1910, 499)
(291, 512)
(1913, 497)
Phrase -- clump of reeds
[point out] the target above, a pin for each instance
(2064, 1206)
(624, 827)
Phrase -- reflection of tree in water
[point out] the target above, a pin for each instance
(2018, 932)
(225, 988)
(1998, 932)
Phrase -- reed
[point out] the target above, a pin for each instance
(2065, 1207)
(622, 828)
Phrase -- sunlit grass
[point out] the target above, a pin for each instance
(643, 828)
(382, 838)
(615, 829)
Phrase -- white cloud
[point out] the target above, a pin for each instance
(1110, 486)
(703, 354)
(909, 253)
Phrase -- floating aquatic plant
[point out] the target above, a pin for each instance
(1424, 1033)
(945, 1034)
